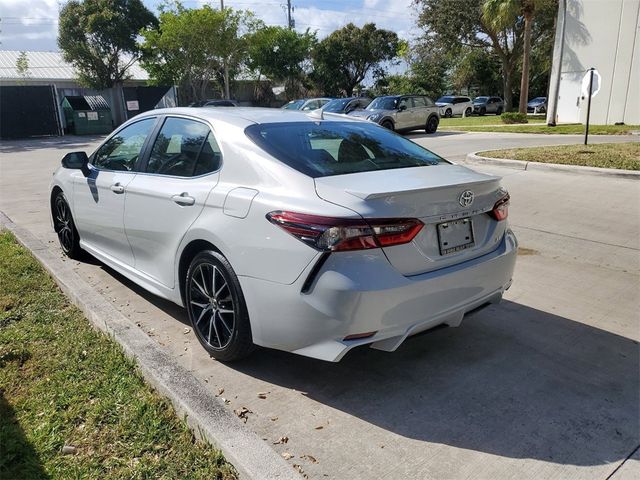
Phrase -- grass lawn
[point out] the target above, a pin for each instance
(624, 156)
(477, 121)
(62, 383)
(575, 129)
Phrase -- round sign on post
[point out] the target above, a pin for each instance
(590, 87)
(595, 87)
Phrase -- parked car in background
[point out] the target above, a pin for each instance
(537, 105)
(306, 104)
(482, 105)
(214, 103)
(286, 230)
(402, 112)
(451, 105)
(346, 105)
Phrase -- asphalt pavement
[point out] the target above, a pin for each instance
(544, 385)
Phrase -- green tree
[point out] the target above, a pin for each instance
(426, 73)
(281, 55)
(475, 70)
(98, 37)
(501, 14)
(22, 65)
(194, 47)
(343, 59)
(456, 24)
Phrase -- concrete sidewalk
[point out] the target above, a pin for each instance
(545, 385)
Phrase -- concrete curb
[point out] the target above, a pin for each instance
(474, 158)
(204, 413)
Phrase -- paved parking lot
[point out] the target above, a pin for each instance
(545, 385)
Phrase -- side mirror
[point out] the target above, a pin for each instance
(402, 108)
(75, 160)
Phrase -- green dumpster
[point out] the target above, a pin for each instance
(87, 115)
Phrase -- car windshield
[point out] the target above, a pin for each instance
(294, 105)
(446, 100)
(480, 99)
(336, 105)
(383, 103)
(321, 149)
(539, 100)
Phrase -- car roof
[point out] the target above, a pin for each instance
(244, 116)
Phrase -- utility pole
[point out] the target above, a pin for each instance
(227, 96)
(290, 21)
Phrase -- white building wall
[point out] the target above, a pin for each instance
(601, 34)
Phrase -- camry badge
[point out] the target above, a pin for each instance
(466, 198)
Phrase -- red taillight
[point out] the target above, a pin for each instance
(501, 208)
(339, 234)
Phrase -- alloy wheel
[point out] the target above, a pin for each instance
(212, 306)
(64, 224)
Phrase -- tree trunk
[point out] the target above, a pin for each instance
(226, 80)
(507, 84)
(524, 80)
(118, 110)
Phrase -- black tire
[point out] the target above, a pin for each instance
(448, 113)
(65, 227)
(388, 124)
(212, 295)
(468, 112)
(432, 124)
(483, 111)
(499, 111)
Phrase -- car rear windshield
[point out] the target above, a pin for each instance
(320, 149)
(446, 99)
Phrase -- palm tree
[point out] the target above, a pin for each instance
(503, 13)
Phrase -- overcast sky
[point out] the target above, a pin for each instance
(32, 24)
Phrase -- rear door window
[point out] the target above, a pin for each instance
(420, 101)
(184, 148)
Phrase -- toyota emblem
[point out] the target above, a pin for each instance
(466, 198)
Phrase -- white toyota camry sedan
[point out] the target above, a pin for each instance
(304, 232)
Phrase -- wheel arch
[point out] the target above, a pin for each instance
(433, 115)
(186, 256)
(387, 119)
(52, 197)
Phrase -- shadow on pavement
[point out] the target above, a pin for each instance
(511, 381)
(18, 458)
(67, 143)
(417, 134)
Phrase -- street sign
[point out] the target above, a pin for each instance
(597, 83)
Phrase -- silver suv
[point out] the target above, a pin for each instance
(402, 113)
(482, 105)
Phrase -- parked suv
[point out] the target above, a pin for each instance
(537, 105)
(402, 113)
(482, 105)
(451, 105)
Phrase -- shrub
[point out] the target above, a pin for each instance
(514, 117)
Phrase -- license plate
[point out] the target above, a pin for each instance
(455, 235)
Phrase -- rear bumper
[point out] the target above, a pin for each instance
(361, 292)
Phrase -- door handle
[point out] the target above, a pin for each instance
(117, 188)
(183, 199)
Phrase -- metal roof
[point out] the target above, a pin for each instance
(49, 66)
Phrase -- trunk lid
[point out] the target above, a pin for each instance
(431, 194)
